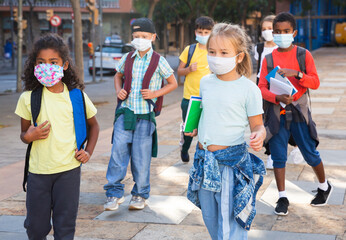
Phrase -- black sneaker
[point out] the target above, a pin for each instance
(321, 198)
(184, 157)
(282, 206)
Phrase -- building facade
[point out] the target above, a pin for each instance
(316, 27)
(116, 20)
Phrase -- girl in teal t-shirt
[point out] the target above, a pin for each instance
(231, 102)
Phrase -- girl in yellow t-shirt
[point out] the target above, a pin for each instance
(53, 182)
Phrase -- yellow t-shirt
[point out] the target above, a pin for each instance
(56, 153)
(191, 85)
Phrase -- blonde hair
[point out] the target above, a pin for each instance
(239, 39)
(269, 18)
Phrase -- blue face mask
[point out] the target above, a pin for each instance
(283, 40)
(202, 39)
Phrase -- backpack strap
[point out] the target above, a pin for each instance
(79, 117)
(154, 62)
(301, 55)
(35, 102)
(127, 75)
(270, 62)
(259, 49)
(128, 71)
(192, 49)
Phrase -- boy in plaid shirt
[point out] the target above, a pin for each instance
(135, 128)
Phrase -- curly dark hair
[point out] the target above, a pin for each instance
(55, 42)
(285, 17)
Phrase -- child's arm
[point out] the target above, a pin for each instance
(118, 84)
(192, 134)
(310, 79)
(183, 71)
(169, 87)
(30, 133)
(264, 86)
(84, 155)
(258, 132)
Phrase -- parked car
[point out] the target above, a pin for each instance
(114, 39)
(111, 54)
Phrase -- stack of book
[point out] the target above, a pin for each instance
(193, 114)
(280, 85)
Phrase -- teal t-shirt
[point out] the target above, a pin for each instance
(226, 108)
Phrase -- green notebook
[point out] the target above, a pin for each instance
(193, 114)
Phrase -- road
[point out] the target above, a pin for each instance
(8, 76)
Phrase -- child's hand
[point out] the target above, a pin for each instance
(256, 141)
(82, 155)
(285, 72)
(148, 94)
(36, 133)
(193, 67)
(193, 134)
(284, 98)
(122, 94)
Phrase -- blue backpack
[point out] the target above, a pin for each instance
(79, 118)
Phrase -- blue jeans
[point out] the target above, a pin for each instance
(300, 132)
(217, 209)
(136, 145)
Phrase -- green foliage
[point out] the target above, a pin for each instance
(141, 6)
(223, 11)
(237, 10)
(170, 10)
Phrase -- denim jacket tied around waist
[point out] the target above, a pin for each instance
(248, 177)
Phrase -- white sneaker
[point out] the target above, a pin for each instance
(296, 156)
(269, 163)
(137, 203)
(113, 203)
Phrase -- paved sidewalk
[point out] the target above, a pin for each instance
(169, 214)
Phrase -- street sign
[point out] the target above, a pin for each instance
(55, 21)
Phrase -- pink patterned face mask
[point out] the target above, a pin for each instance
(48, 74)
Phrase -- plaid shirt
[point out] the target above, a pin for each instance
(135, 101)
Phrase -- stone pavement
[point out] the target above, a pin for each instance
(169, 214)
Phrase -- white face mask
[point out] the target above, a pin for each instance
(141, 44)
(283, 40)
(202, 39)
(267, 35)
(221, 65)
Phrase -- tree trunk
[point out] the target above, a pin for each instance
(165, 40)
(78, 40)
(30, 40)
(181, 36)
(212, 9)
(244, 12)
(152, 8)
